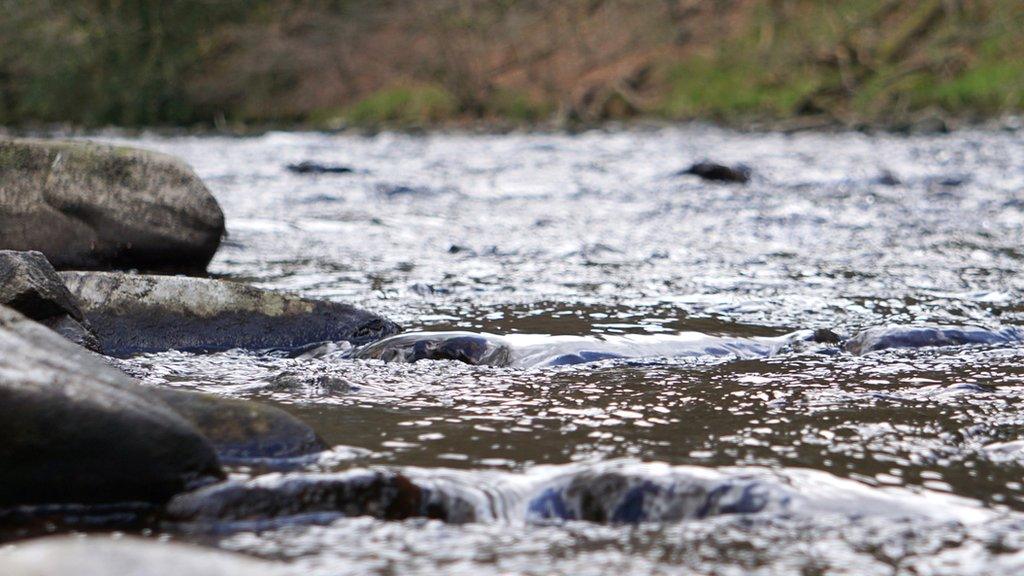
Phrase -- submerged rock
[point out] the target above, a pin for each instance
(888, 178)
(379, 493)
(713, 171)
(620, 497)
(887, 337)
(134, 314)
(536, 350)
(76, 430)
(242, 430)
(308, 167)
(611, 492)
(91, 206)
(629, 493)
(30, 285)
(123, 556)
(467, 347)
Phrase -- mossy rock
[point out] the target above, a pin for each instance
(135, 313)
(92, 206)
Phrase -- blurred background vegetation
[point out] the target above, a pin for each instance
(332, 63)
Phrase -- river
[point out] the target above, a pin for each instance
(903, 461)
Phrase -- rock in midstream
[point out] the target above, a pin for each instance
(92, 206)
(242, 430)
(134, 314)
(536, 350)
(310, 167)
(739, 174)
(613, 492)
(379, 493)
(76, 430)
(30, 285)
(888, 337)
(124, 556)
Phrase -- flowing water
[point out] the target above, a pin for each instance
(903, 461)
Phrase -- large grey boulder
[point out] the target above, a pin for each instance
(125, 556)
(30, 285)
(91, 206)
(134, 314)
(73, 429)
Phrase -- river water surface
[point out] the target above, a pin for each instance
(903, 461)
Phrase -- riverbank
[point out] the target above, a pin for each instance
(249, 66)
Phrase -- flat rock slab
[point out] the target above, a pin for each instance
(133, 314)
(30, 285)
(125, 556)
(74, 429)
(92, 206)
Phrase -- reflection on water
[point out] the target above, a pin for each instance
(594, 235)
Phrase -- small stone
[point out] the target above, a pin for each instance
(887, 178)
(713, 171)
(309, 167)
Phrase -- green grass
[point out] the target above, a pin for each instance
(517, 107)
(986, 89)
(858, 62)
(732, 90)
(404, 106)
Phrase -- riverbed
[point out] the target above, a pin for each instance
(904, 461)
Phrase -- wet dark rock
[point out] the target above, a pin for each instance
(76, 430)
(310, 381)
(582, 357)
(30, 285)
(309, 167)
(392, 190)
(321, 198)
(78, 332)
(614, 493)
(617, 497)
(887, 178)
(367, 492)
(887, 337)
(949, 181)
(713, 171)
(91, 206)
(457, 249)
(533, 351)
(106, 556)
(467, 347)
(134, 314)
(242, 430)
(825, 336)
